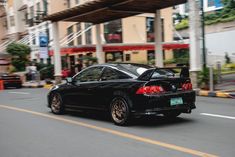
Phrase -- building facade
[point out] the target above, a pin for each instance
(127, 40)
(124, 40)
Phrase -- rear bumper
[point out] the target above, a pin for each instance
(157, 104)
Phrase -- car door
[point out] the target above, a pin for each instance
(84, 86)
(109, 82)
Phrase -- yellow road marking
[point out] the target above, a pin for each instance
(114, 132)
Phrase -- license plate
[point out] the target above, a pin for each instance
(176, 101)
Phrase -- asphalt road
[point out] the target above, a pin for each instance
(29, 129)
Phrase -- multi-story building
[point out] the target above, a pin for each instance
(3, 22)
(128, 39)
(12, 23)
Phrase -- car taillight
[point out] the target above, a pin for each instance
(150, 90)
(187, 86)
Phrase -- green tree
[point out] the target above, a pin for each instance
(229, 4)
(19, 53)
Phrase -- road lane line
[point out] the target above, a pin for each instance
(114, 132)
(217, 115)
(24, 93)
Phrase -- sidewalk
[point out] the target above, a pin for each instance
(33, 84)
(225, 89)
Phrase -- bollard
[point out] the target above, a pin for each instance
(219, 72)
(38, 77)
(211, 79)
(1, 85)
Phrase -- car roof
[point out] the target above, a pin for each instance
(116, 64)
(122, 67)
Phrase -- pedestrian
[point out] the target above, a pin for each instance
(33, 71)
(78, 66)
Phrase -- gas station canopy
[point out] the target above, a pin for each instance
(100, 11)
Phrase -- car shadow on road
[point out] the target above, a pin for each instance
(146, 121)
(160, 121)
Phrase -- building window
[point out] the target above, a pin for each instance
(38, 6)
(151, 55)
(114, 56)
(128, 57)
(113, 31)
(88, 33)
(31, 12)
(68, 3)
(79, 38)
(26, 18)
(12, 21)
(34, 41)
(45, 3)
(5, 23)
(211, 3)
(70, 35)
(163, 30)
(150, 29)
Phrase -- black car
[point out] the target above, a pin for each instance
(11, 80)
(125, 91)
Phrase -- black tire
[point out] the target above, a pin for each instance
(119, 111)
(56, 104)
(171, 114)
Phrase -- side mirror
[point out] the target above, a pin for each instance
(69, 80)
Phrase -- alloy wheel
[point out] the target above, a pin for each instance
(119, 111)
(56, 104)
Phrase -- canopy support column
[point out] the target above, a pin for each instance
(99, 49)
(158, 39)
(195, 51)
(57, 56)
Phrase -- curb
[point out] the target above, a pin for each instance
(219, 94)
(32, 86)
(48, 86)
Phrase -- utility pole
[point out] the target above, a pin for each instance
(45, 3)
(195, 53)
(203, 34)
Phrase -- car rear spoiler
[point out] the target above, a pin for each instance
(147, 75)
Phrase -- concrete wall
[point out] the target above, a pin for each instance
(220, 43)
(220, 38)
(134, 29)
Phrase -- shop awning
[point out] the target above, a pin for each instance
(120, 47)
(100, 11)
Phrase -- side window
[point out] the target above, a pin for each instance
(91, 74)
(111, 74)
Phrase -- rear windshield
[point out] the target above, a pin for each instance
(136, 69)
